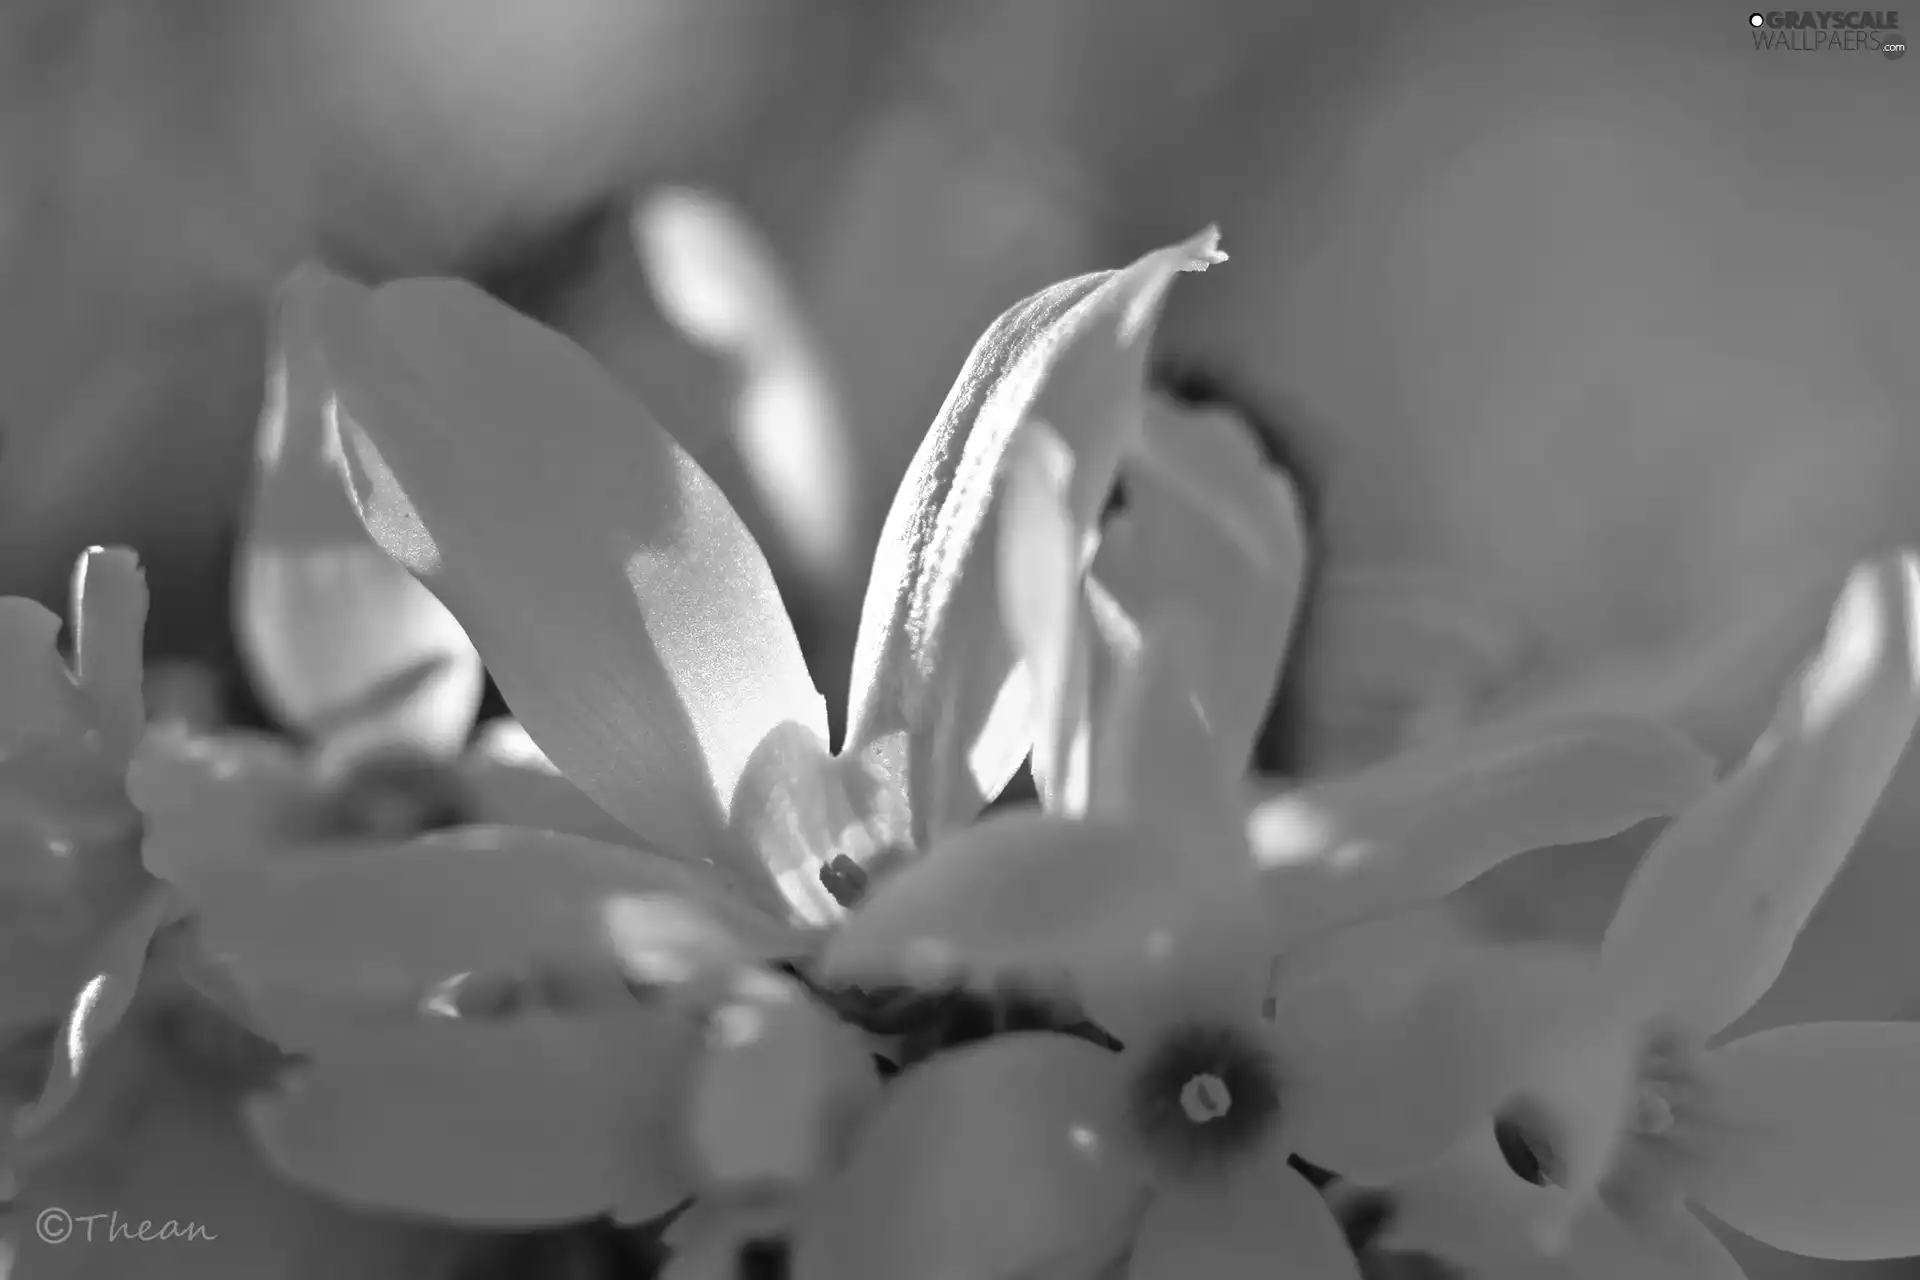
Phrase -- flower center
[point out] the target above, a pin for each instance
(1203, 1096)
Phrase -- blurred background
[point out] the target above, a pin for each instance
(1588, 330)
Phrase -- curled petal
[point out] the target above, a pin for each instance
(341, 641)
(1238, 1231)
(110, 619)
(118, 961)
(931, 656)
(1421, 825)
(1822, 1154)
(640, 638)
(1708, 919)
(993, 1160)
(373, 931)
(1041, 558)
(540, 1119)
(1211, 528)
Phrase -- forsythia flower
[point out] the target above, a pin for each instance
(1805, 1137)
(1223, 1050)
(634, 628)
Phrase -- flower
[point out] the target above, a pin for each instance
(1225, 1048)
(77, 911)
(1804, 1137)
(641, 642)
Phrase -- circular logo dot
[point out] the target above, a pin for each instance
(1756, 19)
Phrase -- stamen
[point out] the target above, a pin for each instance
(1204, 1098)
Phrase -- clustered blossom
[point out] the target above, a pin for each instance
(633, 969)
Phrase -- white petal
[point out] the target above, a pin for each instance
(540, 1119)
(627, 615)
(1421, 825)
(1210, 526)
(1389, 1066)
(931, 656)
(109, 623)
(1708, 919)
(1039, 566)
(1266, 1220)
(989, 1161)
(342, 642)
(777, 1088)
(1823, 1153)
(1110, 913)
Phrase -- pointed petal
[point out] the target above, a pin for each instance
(1390, 1065)
(1211, 527)
(341, 641)
(992, 1160)
(540, 1119)
(777, 1088)
(1040, 558)
(1824, 1144)
(931, 655)
(374, 931)
(641, 638)
(1708, 919)
(118, 961)
(1422, 825)
(110, 619)
(1241, 1230)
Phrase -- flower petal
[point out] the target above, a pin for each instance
(1825, 1127)
(513, 784)
(931, 657)
(341, 642)
(1422, 825)
(373, 931)
(1708, 919)
(1041, 556)
(109, 623)
(1242, 1230)
(118, 961)
(641, 639)
(1156, 760)
(720, 284)
(1390, 1064)
(1470, 1210)
(213, 798)
(1210, 526)
(540, 1119)
(777, 1087)
(38, 695)
(991, 1160)
(1096, 905)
